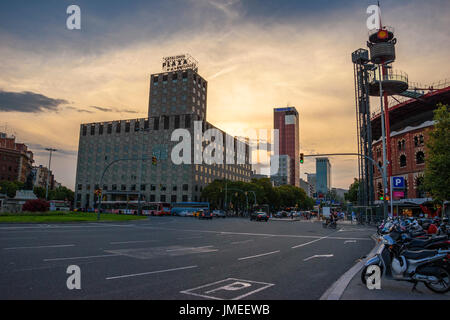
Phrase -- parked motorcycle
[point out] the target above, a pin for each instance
(427, 266)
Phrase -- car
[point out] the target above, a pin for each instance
(259, 216)
(281, 214)
(219, 214)
(204, 214)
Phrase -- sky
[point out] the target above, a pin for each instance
(255, 54)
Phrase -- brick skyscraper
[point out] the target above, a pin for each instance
(287, 122)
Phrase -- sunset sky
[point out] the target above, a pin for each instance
(255, 54)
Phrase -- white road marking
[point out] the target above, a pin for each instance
(189, 238)
(255, 234)
(85, 257)
(137, 241)
(244, 241)
(41, 247)
(349, 241)
(259, 255)
(151, 272)
(187, 248)
(319, 256)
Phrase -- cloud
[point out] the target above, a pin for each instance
(113, 110)
(79, 110)
(39, 149)
(29, 102)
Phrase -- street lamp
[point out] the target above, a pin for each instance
(140, 174)
(48, 172)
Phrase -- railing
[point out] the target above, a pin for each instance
(391, 75)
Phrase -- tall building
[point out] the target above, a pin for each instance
(306, 187)
(16, 161)
(283, 175)
(41, 174)
(311, 179)
(286, 121)
(177, 101)
(323, 176)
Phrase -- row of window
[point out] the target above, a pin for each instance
(123, 187)
(164, 121)
(175, 76)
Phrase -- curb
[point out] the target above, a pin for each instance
(337, 289)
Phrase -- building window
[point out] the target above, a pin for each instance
(421, 140)
(146, 124)
(166, 122)
(177, 122)
(118, 127)
(100, 129)
(420, 157)
(142, 187)
(185, 198)
(187, 121)
(114, 187)
(156, 124)
(137, 125)
(152, 198)
(162, 198)
(127, 126)
(174, 188)
(84, 130)
(185, 187)
(152, 187)
(173, 198)
(402, 161)
(123, 187)
(109, 129)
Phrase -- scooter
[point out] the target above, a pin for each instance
(427, 266)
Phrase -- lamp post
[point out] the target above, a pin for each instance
(140, 173)
(48, 172)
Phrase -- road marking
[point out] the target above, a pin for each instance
(259, 255)
(137, 241)
(151, 272)
(188, 248)
(319, 256)
(188, 238)
(229, 291)
(349, 241)
(244, 241)
(305, 244)
(254, 234)
(21, 238)
(41, 247)
(85, 257)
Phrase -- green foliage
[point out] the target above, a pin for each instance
(352, 194)
(39, 192)
(437, 164)
(61, 193)
(275, 197)
(10, 187)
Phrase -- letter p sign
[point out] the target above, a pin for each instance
(74, 20)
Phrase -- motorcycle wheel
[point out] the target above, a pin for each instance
(443, 285)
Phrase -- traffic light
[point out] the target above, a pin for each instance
(301, 158)
(380, 194)
(154, 161)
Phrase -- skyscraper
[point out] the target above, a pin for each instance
(286, 121)
(323, 176)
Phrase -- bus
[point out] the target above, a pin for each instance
(132, 207)
(188, 208)
(156, 209)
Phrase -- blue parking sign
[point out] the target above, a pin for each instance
(398, 182)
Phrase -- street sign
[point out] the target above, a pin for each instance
(398, 182)
(398, 194)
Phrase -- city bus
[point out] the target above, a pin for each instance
(189, 208)
(156, 209)
(132, 207)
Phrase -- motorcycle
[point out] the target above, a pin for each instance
(427, 266)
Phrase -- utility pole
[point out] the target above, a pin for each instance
(48, 172)
(383, 134)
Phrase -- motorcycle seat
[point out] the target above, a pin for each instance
(416, 255)
(424, 242)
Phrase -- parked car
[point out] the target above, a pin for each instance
(204, 214)
(219, 214)
(259, 216)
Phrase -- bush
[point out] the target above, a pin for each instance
(37, 205)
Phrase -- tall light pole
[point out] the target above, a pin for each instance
(383, 135)
(48, 172)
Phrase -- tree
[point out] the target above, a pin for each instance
(352, 194)
(61, 193)
(10, 187)
(39, 192)
(437, 164)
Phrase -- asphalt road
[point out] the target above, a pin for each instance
(178, 258)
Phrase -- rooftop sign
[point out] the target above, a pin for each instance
(180, 62)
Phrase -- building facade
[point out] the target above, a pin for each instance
(283, 175)
(410, 122)
(41, 174)
(286, 121)
(16, 161)
(177, 101)
(323, 176)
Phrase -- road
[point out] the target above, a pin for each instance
(178, 258)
